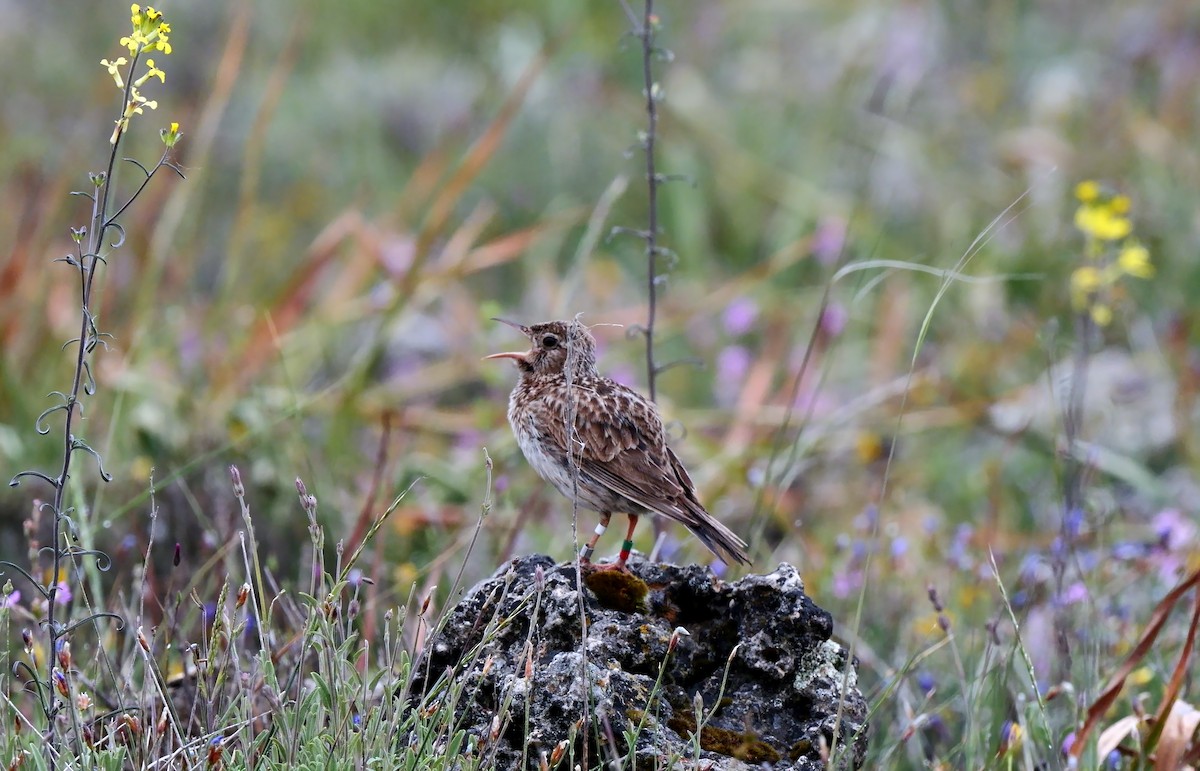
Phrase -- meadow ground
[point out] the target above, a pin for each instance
(926, 289)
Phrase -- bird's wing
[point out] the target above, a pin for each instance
(619, 441)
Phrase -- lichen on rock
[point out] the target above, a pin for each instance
(755, 681)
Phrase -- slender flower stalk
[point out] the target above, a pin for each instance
(92, 242)
(1111, 254)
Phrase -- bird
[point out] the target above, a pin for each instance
(601, 444)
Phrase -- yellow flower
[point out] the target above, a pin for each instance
(134, 42)
(159, 35)
(1120, 204)
(114, 70)
(868, 445)
(1087, 191)
(136, 102)
(1134, 259)
(153, 72)
(144, 22)
(931, 623)
(170, 135)
(59, 577)
(149, 31)
(135, 107)
(1102, 222)
(1085, 279)
(1086, 283)
(1101, 314)
(969, 595)
(1141, 676)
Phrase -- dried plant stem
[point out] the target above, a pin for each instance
(650, 92)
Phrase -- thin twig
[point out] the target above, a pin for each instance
(646, 35)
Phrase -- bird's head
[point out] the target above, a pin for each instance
(554, 344)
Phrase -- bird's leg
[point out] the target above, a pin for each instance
(585, 553)
(626, 547)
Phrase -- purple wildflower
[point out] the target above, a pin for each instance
(1128, 550)
(739, 316)
(828, 240)
(1074, 593)
(833, 320)
(1174, 530)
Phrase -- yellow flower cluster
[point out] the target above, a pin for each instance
(1111, 251)
(150, 33)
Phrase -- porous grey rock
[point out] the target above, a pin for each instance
(756, 666)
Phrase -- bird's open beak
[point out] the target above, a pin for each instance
(524, 329)
(518, 355)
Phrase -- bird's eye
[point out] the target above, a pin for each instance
(550, 341)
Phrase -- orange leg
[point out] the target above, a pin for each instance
(626, 547)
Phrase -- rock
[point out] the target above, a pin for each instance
(755, 666)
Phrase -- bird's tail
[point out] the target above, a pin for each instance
(688, 510)
(719, 539)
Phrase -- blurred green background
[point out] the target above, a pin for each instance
(369, 182)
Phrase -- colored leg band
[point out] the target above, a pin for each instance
(626, 547)
(601, 528)
(585, 553)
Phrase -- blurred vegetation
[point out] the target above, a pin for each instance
(367, 185)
